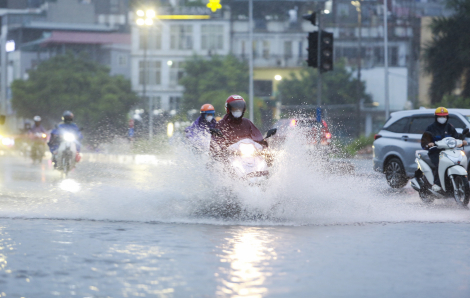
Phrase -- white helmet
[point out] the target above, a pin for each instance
(37, 118)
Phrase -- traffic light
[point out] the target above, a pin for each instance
(310, 17)
(312, 49)
(326, 51)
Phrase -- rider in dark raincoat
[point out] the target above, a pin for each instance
(233, 127)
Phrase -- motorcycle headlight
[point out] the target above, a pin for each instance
(69, 137)
(247, 149)
(451, 143)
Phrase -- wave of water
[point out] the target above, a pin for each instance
(303, 190)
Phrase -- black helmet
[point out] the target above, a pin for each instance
(67, 117)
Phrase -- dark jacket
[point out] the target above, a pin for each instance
(234, 130)
(441, 131)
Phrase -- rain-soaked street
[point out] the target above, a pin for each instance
(144, 227)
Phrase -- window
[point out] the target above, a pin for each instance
(243, 49)
(263, 87)
(393, 56)
(343, 9)
(456, 122)
(175, 102)
(265, 49)
(176, 73)
(212, 37)
(122, 60)
(255, 49)
(419, 124)
(400, 126)
(301, 46)
(150, 75)
(153, 39)
(287, 49)
(156, 103)
(181, 37)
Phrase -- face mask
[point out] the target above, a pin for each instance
(209, 118)
(237, 114)
(442, 120)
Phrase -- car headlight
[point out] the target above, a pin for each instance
(247, 149)
(69, 137)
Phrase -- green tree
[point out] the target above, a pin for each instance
(213, 80)
(447, 57)
(100, 102)
(339, 87)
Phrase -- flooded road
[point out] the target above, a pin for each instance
(145, 228)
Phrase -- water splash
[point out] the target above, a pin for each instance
(304, 188)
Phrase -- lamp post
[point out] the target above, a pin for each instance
(145, 20)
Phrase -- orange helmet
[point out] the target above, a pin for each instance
(441, 111)
(207, 107)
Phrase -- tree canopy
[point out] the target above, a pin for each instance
(447, 56)
(213, 81)
(100, 102)
(339, 87)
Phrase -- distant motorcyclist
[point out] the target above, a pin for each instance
(37, 128)
(440, 129)
(37, 135)
(198, 133)
(66, 127)
(233, 127)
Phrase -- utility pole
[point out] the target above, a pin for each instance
(4, 61)
(319, 81)
(387, 101)
(250, 24)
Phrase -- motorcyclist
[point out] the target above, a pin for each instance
(38, 135)
(440, 129)
(198, 132)
(233, 127)
(66, 126)
(37, 128)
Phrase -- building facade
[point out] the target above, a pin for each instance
(159, 51)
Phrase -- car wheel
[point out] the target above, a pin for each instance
(395, 173)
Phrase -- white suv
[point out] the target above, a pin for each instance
(396, 143)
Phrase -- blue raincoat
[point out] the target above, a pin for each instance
(198, 133)
(61, 129)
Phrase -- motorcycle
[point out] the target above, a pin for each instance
(451, 170)
(248, 160)
(66, 154)
(38, 146)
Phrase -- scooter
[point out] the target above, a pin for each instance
(66, 154)
(38, 146)
(451, 169)
(249, 161)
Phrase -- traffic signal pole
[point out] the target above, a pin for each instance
(319, 80)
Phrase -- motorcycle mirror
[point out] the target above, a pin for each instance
(271, 132)
(426, 139)
(2, 119)
(465, 132)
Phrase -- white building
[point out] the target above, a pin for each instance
(170, 43)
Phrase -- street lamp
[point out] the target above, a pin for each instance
(145, 19)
